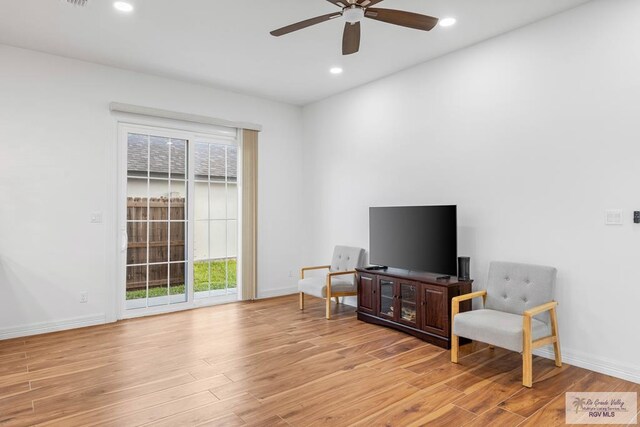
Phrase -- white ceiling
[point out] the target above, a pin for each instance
(226, 43)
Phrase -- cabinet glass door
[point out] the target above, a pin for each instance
(408, 304)
(387, 298)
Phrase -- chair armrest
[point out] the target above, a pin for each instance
(467, 297)
(318, 267)
(541, 309)
(336, 273)
(455, 302)
(341, 273)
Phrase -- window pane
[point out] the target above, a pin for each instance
(137, 155)
(218, 239)
(136, 282)
(158, 280)
(232, 273)
(232, 238)
(217, 201)
(159, 156)
(232, 163)
(177, 241)
(201, 277)
(136, 199)
(232, 201)
(218, 274)
(201, 200)
(217, 162)
(177, 280)
(201, 160)
(178, 200)
(158, 200)
(158, 188)
(178, 158)
(137, 243)
(201, 241)
(158, 241)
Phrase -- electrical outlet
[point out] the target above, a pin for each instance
(290, 273)
(96, 218)
(84, 297)
(613, 217)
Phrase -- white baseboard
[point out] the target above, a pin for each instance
(600, 365)
(277, 292)
(46, 327)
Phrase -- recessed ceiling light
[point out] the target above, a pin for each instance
(336, 70)
(123, 6)
(447, 22)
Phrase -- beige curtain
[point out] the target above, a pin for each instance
(249, 214)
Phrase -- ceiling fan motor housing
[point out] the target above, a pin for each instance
(353, 14)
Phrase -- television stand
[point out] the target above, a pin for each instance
(413, 302)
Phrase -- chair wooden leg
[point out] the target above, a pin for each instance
(454, 348)
(554, 332)
(328, 308)
(301, 300)
(337, 300)
(527, 356)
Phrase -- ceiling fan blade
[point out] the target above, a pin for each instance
(340, 3)
(402, 18)
(351, 38)
(304, 24)
(368, 3)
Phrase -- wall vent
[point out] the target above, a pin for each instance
(77, 2)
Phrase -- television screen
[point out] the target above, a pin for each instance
(419, 238)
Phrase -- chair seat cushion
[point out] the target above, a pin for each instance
(496, 328)
(317, 286)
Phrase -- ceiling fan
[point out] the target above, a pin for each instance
(353, 11)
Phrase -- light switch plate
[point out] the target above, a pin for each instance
(613, 217)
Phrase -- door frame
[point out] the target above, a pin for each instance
(191, 133)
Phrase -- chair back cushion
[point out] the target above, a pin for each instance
(515, 288)
(346, 258)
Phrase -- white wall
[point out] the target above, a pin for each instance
(533, 135)
(57, 138)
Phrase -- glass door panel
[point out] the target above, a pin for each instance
(387, 298)
(216, 237)
(408, 303)
(156, 221)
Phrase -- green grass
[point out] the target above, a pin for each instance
(201, 280)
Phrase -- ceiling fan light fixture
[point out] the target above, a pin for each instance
(123, 6)
(353, 14)
(447, 22)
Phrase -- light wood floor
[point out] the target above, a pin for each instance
(268, 364)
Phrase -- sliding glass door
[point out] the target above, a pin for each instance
(216, 219)
(181, 221)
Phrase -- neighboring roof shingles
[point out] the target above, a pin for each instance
(206, 156)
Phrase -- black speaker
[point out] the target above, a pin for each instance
(464, 263)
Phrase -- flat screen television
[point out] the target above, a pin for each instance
(417, 238)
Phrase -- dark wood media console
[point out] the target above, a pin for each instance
(413, 302)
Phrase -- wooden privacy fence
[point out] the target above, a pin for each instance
(166, 241)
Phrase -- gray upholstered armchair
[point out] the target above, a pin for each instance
(519, 313)
(338, 282)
